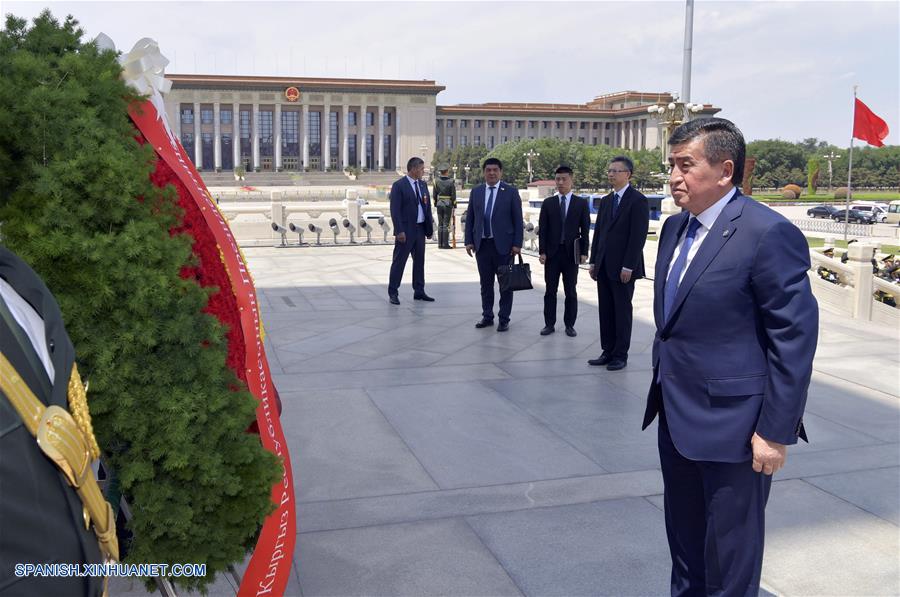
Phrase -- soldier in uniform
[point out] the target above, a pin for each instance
(445, 200)
(51, 508)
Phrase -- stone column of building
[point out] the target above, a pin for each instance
(379, 139)
(305, 125)
(255, 134)
(236, 134)
(277, 127)
(217, 138)
(325, 124)
(345, 147)
(198, 151)
(178, 122)
(362, 135)
(397, 164)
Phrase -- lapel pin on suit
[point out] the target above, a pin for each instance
(726, 233)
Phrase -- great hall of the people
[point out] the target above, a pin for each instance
(309, 124)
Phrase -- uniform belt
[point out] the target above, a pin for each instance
(60, 438)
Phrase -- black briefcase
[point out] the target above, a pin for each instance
(515, 276)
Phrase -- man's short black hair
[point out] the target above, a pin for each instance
(414, 163)
(624, 159)
(721, 141)
(492, 162)
(564, 170)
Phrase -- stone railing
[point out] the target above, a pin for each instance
(853, 294)
(832, 227)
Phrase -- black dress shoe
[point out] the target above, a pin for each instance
(603, 359)
(616, 364)
(548, 329)
(423, 297)
(570, 332)
(485, 323)
(394, 299)
(503, 326)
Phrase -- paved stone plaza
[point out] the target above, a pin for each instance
(434, 458)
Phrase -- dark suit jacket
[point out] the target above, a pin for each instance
(404, 209)
(40, 514)
(619, 241)
(506, 218)
(578, 226)
(735, 356)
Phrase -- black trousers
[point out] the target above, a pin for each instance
(715, 522)
(402, 251)
(614, 305)
(562, 262)
(488, 260)
(444, 226)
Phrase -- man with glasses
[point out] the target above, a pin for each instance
(617, 260)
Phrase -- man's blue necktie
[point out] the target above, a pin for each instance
(487, 215)
(418, 193)
(674, 278)
(616, 200)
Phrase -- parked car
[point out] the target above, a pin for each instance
(855, 216)
(878, 211)
(894, 213)
(821, 211)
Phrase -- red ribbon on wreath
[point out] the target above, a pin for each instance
(221, 264)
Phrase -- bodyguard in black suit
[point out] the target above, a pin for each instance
(411, 214)
(563, 229)
(617, 260)
(41, 519)
(493, 234)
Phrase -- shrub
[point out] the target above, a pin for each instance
(793, 188)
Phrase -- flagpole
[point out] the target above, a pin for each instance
(849, 170)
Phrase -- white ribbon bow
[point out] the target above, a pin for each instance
(143, 68)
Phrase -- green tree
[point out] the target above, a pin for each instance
(77, 203)
(777, 163)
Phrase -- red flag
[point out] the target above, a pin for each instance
(868, 126)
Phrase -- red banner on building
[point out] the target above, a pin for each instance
(270, 565)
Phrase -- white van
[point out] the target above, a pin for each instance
(879, 210)
(893, 214)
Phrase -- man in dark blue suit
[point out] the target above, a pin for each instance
(411, 214)
(493, 234)
(736, 331)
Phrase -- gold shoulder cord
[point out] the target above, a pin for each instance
(78, 406)
(69, 442)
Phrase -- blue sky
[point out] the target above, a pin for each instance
(778, 69)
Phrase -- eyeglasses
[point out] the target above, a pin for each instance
(611, 171)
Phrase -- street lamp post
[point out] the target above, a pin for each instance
(467, 168)
(670, 116)
(529, 156)
(830, 157)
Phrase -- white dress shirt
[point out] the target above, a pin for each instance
(32, 323)
(621, 193)
(487, 198)
(417, 192)
(707, 218)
